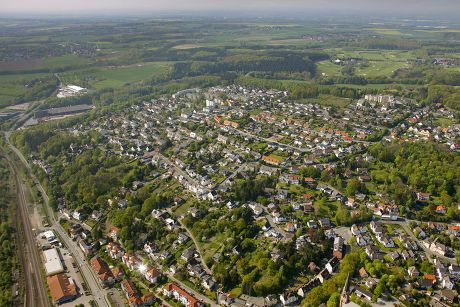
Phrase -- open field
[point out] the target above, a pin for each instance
(65, 60)
(117, 76)
(385, 31)
(13, 86)
(187, 46)
(21, 65)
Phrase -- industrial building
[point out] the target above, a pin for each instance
(71, 90)
(62, 288)
(68, 110)
(53, 263)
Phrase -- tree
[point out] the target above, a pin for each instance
(353, 186)
(334, 300)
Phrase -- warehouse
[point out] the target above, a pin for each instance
(62, 288)
(53, 264)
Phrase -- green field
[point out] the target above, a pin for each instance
(65, 60)
(12, 86)
(117, 77)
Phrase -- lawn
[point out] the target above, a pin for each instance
(212, 245)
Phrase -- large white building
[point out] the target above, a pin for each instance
(53, 264)
(71, 90)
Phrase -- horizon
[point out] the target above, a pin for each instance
(444, 9)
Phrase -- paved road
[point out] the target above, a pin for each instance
(196, 246)
(90, 278)
(35, 290)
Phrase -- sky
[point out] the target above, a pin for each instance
(104, 7)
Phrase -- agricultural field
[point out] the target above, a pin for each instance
(119, 55)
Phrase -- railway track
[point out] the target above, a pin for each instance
(36, 294)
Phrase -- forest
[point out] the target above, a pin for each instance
(7, 240)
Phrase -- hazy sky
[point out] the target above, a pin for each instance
(152, 6)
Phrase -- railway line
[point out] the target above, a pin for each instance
(36, 293)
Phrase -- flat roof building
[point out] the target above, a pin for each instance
(49, 235)
(53, 264)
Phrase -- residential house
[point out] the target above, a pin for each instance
(102, 270)
(413, 272)
(423, 196)
(176, 292)
(325, 223)
(449, 296)
(188, 254)
(131, 261)
(115, 250)
(272, 160)
(360, 292)
(363, 273)
(338, 247)
(350, 202)
(150, 248)
(114, 234)
(441, 209)
(355, 230)
(446, 283)
(288, 299)
(376, 227)
(373, 253)
(152, 274)
(208, 283)
(130, 291)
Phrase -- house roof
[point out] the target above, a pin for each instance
(129, 288)
(99, 265)
(449, 294)
(193, 302)
(61, 286)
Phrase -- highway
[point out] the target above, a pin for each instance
(35, 290)
(90, 277)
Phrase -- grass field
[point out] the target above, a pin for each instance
(375, 69)
(386, 31)
(12, 86)
(328, 100)
(65, 60)
(117, 76)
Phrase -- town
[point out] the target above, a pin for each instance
(242, 176)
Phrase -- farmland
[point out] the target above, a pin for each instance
(119, 56)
